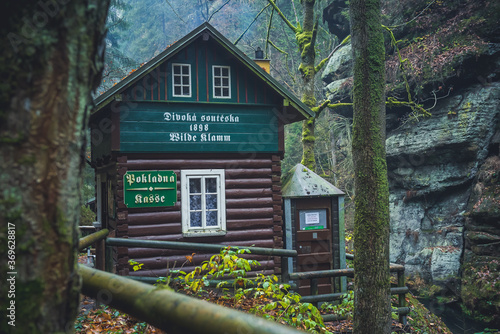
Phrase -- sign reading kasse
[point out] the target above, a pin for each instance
(146, 189)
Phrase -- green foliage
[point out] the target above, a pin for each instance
(225, 265)
(135, 265)
(422, 321)
(480, 290)
(344, 308)
(281, 305)
(274, 300)
(87, 216)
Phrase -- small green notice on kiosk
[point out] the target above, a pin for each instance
(312, 219)
(149, 188)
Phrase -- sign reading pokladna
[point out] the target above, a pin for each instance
(149, 188)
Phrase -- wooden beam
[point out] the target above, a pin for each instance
(170, 311)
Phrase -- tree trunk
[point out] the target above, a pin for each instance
(306, 42)
(371, 221)
(305, 36)
(308, 140)
(51, 56)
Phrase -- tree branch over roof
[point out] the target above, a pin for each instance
(280, 13)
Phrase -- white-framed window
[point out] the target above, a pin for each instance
(181, 80)
(203, 202)
(221, 81)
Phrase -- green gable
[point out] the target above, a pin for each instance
(202, 94)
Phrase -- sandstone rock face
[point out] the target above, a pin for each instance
(432, 165)
(339, 66)
(444, 170)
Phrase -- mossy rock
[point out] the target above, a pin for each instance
(481, 289)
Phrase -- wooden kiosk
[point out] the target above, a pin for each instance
(188, 148)
(314, 227)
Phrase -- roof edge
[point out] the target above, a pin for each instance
(107, 97)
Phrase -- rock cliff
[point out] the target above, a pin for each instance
(444, 170)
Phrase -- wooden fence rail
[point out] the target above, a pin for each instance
(194, 246)
(92, 238)
(172, 312)
(401, 290)
(313, 276)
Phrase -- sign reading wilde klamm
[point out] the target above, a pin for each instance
(190, 128)
(147, 188)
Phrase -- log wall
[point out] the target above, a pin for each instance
(254, 215)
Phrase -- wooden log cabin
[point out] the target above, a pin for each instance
(188, 148)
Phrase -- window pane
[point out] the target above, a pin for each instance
(217, 81)
(225, 92)
(225, 72)
(195, 219)
(177, 90)
(225, 82)
(195, 185)
(185, 69)
(211, 201)
(177, 80)
(216, 71)
(177, 69)
(195, 202)
(217, 92)
(185, 90)
(211, 218)
(211, 185)
(185, 80)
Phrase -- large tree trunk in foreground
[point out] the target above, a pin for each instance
(51, 55)
(371, 220)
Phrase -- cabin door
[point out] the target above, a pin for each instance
(314, 241)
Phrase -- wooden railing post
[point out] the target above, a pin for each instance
(402, 298)
(314, 289)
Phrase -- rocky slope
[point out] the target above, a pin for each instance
(443, 169)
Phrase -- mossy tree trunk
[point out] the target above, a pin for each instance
(51, 59)
(305, 35)
(371, 220)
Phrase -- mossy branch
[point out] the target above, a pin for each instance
(317, 110)
(392, 102)
(286, 58)
(338, 105)
(401, 61)
(283, 17)
(251, 23)
(269, 31)
(277, 48)
(314, 36)
(323, 62)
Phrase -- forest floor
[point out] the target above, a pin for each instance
(93, 318)
(103, 319)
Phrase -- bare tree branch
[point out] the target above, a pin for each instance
(280, 13)
(180, 18)
(225, 3)
(255, 19)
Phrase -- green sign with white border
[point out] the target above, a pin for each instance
(149, 188)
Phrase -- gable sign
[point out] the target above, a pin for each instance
(147, 189)
(195, 128)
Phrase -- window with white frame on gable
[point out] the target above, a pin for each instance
(221, 77)
(203, 202)
(181, 80)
